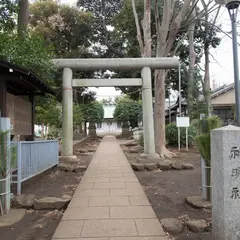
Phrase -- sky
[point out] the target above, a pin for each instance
(221, 66)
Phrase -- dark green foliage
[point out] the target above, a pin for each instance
(93, 112)
(128, 110)
(203, 140)
(103, 11)
(172, 135)
(4, 152)
(77, 116)
(49, 113)
(30, 52)
(141, 140)
(66, 27)
(69, 30)
(8, 12)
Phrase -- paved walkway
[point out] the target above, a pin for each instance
(109, 203)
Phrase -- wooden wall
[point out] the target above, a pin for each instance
(19, 111)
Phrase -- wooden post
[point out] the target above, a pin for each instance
(3, 97)
(32, 136)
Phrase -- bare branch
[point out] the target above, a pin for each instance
(181, 15)
(139, 34)
(191, 10)
(167, 14)
(201, 14)
(216, 16)
(157, 21)
(200, 67)
(176, 24)
(219, 29)
(173, 53)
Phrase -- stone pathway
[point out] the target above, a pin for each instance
(109, 203)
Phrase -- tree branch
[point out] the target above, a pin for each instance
(157, 20)
(167, 13)
(173, 53)
(200, 15)
(147, 29)
(176, 24)
(139, 34)
(200, 68)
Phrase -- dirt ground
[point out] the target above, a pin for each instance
(167, 190)
(41, 225)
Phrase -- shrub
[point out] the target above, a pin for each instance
(172, 135)
(204, 139)
(141, 140)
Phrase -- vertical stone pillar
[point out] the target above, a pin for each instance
(67, 123)
(92, 129)
(148, 126)
(225, 163)
(125, 130)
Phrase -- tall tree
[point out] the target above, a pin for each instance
(168, 20)
(67, 28)
(209, 29)
(171, 16)
(70, 31)
(103, 12)
(192, 62)
(23, 15)
(128, 110)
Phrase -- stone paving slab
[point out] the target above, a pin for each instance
(109, 203)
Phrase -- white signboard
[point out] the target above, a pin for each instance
(183, 122)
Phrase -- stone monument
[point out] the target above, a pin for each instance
(92, 130)
(225, 157)
(125, 130)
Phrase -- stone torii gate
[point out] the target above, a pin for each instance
(143, 64)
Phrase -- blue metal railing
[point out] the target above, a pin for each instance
(32, 158)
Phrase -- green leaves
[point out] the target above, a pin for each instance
(204, 139)
(29, 52)
(77, 116)
(66, 27)
(127, 110)
(172, 135)
(93, 112)
(49, 113)
(8, 14)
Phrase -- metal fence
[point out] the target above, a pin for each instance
(32, 158)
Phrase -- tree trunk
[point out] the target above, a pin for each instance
(167, 30)
(159, 115)
(208, 29)
(192, 61)
(42, 133)
(147, 29)
(207, 88)
(23, 15)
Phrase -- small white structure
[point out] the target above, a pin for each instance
(109, 125)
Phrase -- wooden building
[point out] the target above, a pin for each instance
(18, 88)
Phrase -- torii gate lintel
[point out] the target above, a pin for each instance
(143, 64)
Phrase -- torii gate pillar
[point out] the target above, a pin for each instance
(67, 121)
(149, 155)
(143, 64)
